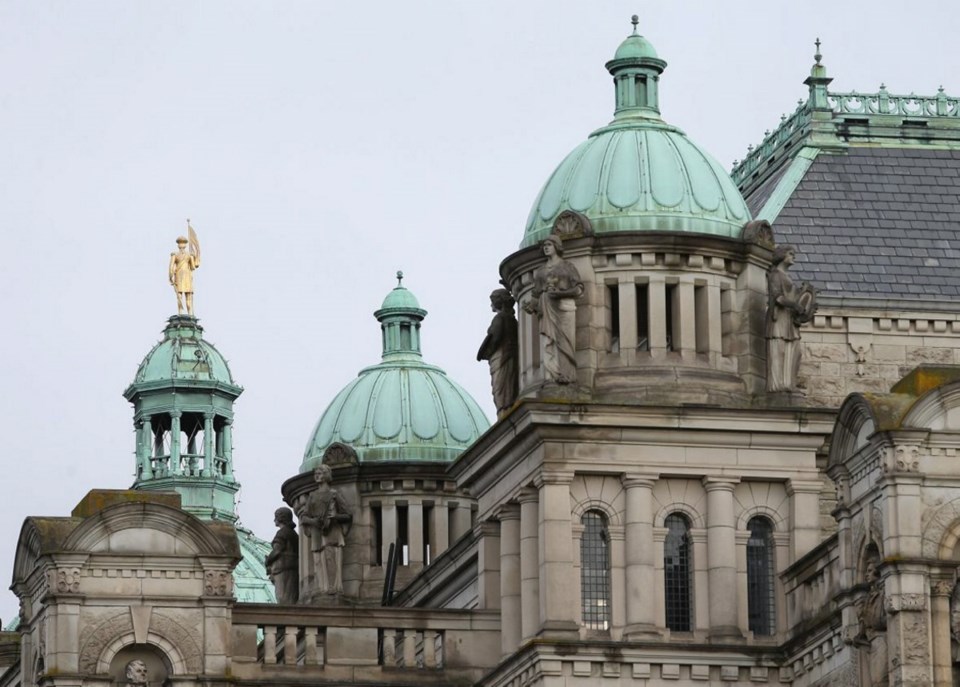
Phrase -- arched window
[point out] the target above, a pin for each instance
(677, 572)
(761, 603)
(595, 571)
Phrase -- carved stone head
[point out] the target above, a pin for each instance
(136, 672)
(283, 516)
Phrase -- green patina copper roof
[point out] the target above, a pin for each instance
(401, 409)
(251, 584)
(183, 354)
(639, 173)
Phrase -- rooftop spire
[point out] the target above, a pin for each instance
(399, 278)
(635, 20)
(818, 81)
(817, 56)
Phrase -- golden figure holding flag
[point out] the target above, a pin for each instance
(182, 265)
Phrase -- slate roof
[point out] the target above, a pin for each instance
(877, 222)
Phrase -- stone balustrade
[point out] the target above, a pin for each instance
(363, 643)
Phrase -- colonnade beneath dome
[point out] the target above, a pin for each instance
(197, 444)
(659, 311)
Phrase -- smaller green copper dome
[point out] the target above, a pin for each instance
(183, 354)
(635, 47)
(401, 409)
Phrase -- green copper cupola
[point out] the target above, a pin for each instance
(636, 70)
(183, 397)
(400, 316)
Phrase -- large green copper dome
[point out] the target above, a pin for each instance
(401, 409)
(638, 173)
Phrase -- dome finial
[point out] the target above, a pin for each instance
(817, 56)
(635, 20)
(399, 278)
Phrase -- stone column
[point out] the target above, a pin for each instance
(657, 316)
(510, 609)
(558, 586)
(940, 591)
(461, 520)
(415, 532)
(209, 458)
(174, 467)
(722, 559)
(804, 515)
(488, 564)
(388, 512)
(228, 447)
(686, 317)
(440, 532)
(639, 552)
(529, 563)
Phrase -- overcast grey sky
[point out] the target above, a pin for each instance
(318, 147)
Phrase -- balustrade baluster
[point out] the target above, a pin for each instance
(290, 645)
(409, 648)
(389, 648)
(312, 654)
(429, 649)
(270, 644)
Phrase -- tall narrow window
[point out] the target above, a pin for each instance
(377, 513)
(677, 573)
(427, 535)
(403, 533)
(643, 315)
(595, 571)
(670, 310)
(613, 298)
(760, 591)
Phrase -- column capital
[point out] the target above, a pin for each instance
(942, 586)
(175, 414)
(209, 415)
(804, 486)
(507, 511)
(634, 480)
(553, 478)
(716, 483)
(487, 528)
(528, 495)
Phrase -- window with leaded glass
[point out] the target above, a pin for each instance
(595, 571)
(761, 603)
(677, 573)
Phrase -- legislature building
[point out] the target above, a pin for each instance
(726, 452)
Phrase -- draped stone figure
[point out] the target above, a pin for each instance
(283, 560)
(556, 287)
(326, 518)
(872, 617)
(788, 306)
(501, 349)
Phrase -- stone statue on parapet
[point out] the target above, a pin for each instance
(182, 265)
(283, 561)
(136, 673)
(326, 519)
(501, 349)
(556, 287)
(788, 307)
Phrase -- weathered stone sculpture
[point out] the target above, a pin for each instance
(788, 306)
(500, 348)
(872, 617)
(283, 560)
(136, 673)
(556, 287)
(182, 265)
(326, 517)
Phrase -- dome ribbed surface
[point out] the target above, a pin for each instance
(403, 411)
(183, 354)
(251, 584)
(640, 176)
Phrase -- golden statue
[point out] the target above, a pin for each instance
(182, 265)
